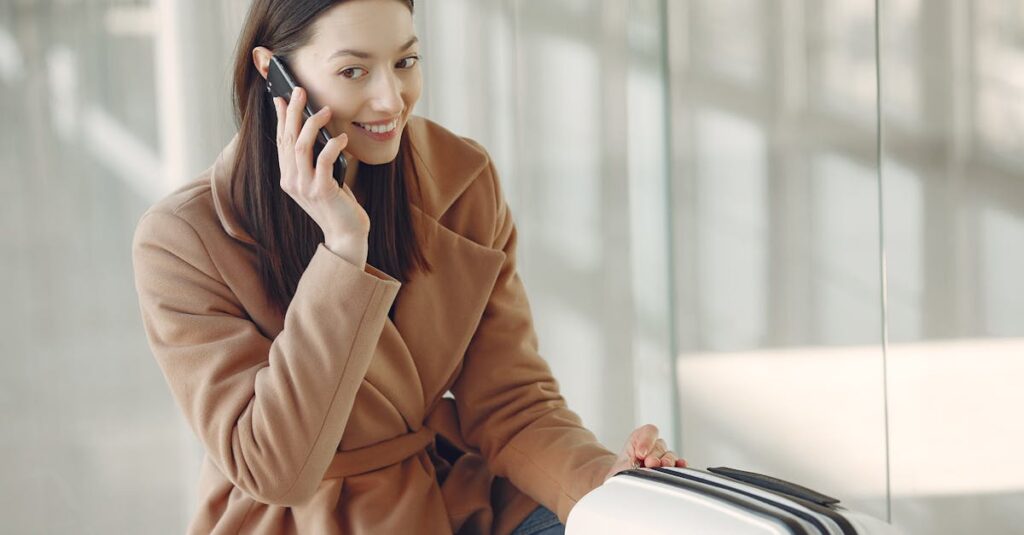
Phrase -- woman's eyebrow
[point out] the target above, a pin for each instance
(367, 55)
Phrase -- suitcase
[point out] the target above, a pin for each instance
(717, 501)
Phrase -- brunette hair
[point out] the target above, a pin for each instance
(286, 237)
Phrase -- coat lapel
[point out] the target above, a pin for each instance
(436, 313)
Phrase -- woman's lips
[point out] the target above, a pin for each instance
(380, 136)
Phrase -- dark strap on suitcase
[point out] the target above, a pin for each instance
(791, 525)
(776, 484)
(792, 510)
(817, 505)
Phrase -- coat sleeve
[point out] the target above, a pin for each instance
(269, 412)
(509, 403)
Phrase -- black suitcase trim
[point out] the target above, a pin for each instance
(792, 510)
(815, 505)
(776, 484)
(791, 525)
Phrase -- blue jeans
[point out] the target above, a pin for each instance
(540, 522)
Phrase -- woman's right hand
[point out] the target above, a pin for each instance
(335, 209)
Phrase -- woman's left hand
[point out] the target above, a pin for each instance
(645, 449)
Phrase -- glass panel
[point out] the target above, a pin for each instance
(841, 53)
(731, 205)
(649, 241)
(568, 259)
(729, 41)
(953, 229)
(998, 45)
(776, 242)
(88, 424)
(109, 105)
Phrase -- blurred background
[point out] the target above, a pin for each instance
(788, 232)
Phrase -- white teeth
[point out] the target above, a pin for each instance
(379, 129)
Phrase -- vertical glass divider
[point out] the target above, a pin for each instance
(673, 335)
(882, 259)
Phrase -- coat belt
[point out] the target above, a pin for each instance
(379, 455)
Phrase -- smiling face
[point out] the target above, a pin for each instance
(363, 63)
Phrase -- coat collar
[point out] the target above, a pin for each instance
(444, 162)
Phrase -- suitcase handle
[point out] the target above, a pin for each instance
(775, 484)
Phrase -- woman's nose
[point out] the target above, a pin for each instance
(387, 95)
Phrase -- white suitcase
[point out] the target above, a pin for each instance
(723, 501)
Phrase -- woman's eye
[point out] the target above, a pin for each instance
(350, 73)
(408, 62)
(355, 73)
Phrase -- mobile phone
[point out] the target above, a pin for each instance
(281, 83)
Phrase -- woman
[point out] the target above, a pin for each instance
(309, 331)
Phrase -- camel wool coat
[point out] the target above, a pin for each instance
(333, 418)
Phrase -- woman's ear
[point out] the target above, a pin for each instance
(261, 58)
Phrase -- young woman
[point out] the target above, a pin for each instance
(309, 330)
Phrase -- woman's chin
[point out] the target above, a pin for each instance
(376, 157)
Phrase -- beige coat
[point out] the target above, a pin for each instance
(331, 418)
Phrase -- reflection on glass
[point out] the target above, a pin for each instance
(953, 212)
(730, 37)
(576, 341)
(564, 129)
(1002, 292)
(571, 136)
(845, 262)
(649, 242)
(731, 208)
(904, 237)
(779, 285)
(562, 248)
(900, 27)
(999, 75)
(810, 414)
(841, 50)
(91, 439)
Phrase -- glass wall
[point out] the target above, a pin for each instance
(776, 249)
(91, 441)
(953, 199)
(849, 239)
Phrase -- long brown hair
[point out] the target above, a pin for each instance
(286, 237)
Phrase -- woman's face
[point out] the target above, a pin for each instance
(363, 63)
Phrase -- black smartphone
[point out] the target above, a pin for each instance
(281, 83)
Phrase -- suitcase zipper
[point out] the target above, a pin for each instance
(790, 524)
